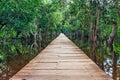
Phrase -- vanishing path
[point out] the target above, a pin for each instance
(61, 60)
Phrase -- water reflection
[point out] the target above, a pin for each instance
(14, 54)
(109, 69)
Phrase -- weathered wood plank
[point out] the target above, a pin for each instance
(61, 60)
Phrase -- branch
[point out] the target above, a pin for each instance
(111, 37)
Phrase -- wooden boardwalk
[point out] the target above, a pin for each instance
(61, 60)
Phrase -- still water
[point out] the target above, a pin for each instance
(15, 54)
(108, 67)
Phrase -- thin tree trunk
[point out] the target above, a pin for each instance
(39, 39)
(91, 37)
(35, 40)
(82, 37)
(111, 49)
(96, 31)
(96, 35)
(102, 60)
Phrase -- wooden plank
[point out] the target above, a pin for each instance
(61, 60)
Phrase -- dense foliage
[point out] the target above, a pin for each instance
(93, 24)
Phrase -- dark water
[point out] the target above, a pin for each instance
(13, 56)
(13, 65)
(16, 53)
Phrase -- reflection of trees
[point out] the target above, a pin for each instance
(18, 52)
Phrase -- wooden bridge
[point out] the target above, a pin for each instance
(61, 60)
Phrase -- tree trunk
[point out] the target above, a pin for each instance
(35, 41)
(103, 51)
(97, 24)
(91, 37)
(82, 36)
(39, 39)
(96, 34)
(111, 49)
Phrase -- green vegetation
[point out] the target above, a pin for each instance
(27, 26)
